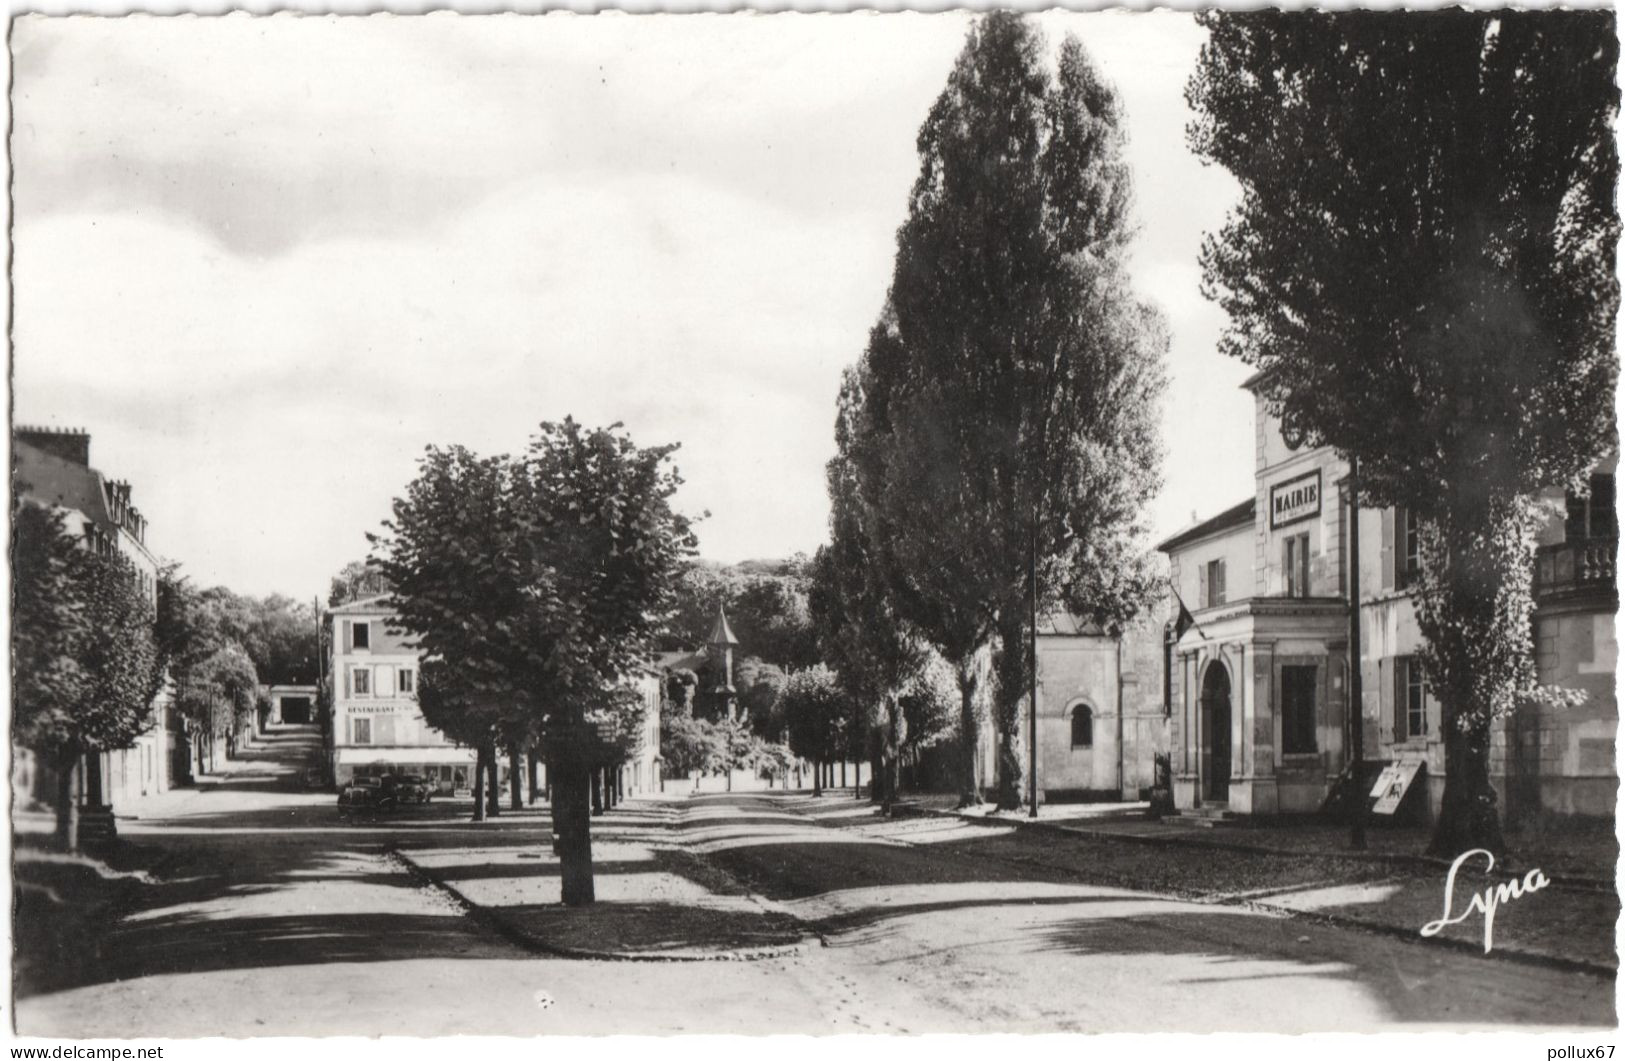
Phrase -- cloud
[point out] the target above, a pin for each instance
(268, 260)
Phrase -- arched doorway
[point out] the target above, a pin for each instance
(1216, 727)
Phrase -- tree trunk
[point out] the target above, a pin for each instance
(532, 760)
(857, 778)
(968, 794)
(479, 784)
(493, 782)
(877, 774)
(516, 780)
(93, 780)
(67, 808)
(595, 785)
(818, 778)
(570, 780)
(200, 768)
(1467, 810)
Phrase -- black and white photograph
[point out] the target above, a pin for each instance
(845, 523)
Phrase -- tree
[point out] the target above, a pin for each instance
(816, 717)
(86, 662)
(535, 586)
(1010, 388)
(874, 652)
(356, 580)
(1422, 269)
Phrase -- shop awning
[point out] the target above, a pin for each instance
(417, 756)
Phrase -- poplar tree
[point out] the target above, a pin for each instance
(1422, 267)
(1009, 440)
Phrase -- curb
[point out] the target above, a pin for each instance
(526, 941)
(1550, 961)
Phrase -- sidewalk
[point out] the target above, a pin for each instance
(1568, 924)
(656, 901)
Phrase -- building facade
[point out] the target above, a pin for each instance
(1259, 683)
(378, 727)
(52, 468)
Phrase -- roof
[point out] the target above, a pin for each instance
(1241, 515)
(51, 480)
(721, 633)
(1251, 382)
(681, 660)
(1065, 624)
(377, 603)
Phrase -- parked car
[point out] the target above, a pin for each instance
(364, 792)
(408, 788)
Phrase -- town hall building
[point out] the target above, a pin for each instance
(1259, 684)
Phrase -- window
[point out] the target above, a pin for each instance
(361, 681)
(404, 679)
(1411, 703)
(1211, 590)
(1407, 548)
(1592, 516)
(1295, 562)
(361, 731)
(1298, 710)
(1083, 727)
(361, 636)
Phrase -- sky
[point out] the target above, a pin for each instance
(266, 261)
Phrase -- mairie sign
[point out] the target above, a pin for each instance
(1295, 499)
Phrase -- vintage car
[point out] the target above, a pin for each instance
(364, 792)
(408, 788)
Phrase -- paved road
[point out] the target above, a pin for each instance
(276, 918)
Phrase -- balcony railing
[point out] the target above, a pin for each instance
(1576, 569)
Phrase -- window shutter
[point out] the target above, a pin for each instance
(1201, 587)
(349, 643)
(347, 670)
(1401, 700)
(1388, 557)
(1218, 590)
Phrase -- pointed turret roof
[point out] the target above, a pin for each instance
(721, 633)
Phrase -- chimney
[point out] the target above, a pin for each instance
(70, 444)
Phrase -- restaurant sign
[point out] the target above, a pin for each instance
(1294, 500)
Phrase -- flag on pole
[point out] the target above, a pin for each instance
(1186, 620)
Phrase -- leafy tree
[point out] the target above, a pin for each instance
(217, 694)
(356, 580)
(689, 745)
(766, 604)
(874, 652)
(535, 586)
(759, 683)
(86, 661)
(816, 717)
(1010, 388)
(1422, 268)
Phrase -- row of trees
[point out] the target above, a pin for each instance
(997, 443)
(86, 661)
(91, 653)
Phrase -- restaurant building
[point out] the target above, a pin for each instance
(379, 729)
(1259, 683)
